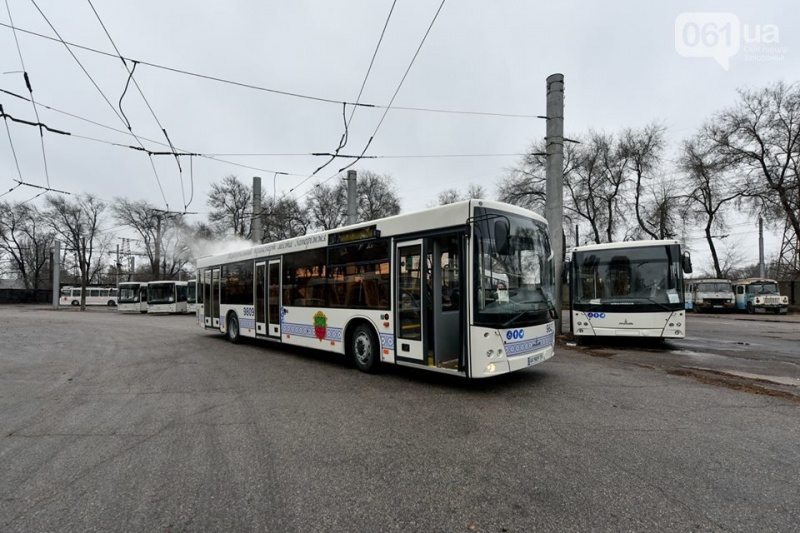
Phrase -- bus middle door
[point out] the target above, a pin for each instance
(409, 283)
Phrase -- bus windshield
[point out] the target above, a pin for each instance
(515, 287)
(646, 274)
(763, 288)
(161, 293)
(128, 294)
(720, 286)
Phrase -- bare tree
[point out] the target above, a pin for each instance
(376, 196)
(713, 187)
(326, 205)
(284, 218)
(231, 207)
(760, 137)
(79, 224)
(453, 195)
(25, 241)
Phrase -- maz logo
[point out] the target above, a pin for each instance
(626, 323)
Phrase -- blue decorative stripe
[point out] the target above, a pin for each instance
(529, 345)
(248, 323)
(387, 341)
(305, 330)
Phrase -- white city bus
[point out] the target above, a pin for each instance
(628, 289)
(167, 297)
(94, 296)
(191, 296)
(407, 290)
(132, 297)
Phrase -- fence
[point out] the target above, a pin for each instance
(25, 296)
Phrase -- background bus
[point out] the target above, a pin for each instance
(94, 296)
(167, 297)
(630, 288)
(191, 296)
(759, 295)
(132, 297)
(710, 294)
(407, 290)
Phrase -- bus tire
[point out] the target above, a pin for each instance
(750, 308)
(232, 332)
(112, 303)
(75, 303)
(364, 349)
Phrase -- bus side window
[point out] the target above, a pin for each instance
(740, 289)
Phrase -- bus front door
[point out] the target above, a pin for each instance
(410, 297)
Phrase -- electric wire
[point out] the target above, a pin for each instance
(141, 93)
(11, 142)
(386, 109)
(67, 46)
(274, 91)
(30, 91)
(343, 140)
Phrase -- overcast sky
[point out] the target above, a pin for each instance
(624, 65)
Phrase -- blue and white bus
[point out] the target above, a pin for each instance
(406, 290)
(760, 295)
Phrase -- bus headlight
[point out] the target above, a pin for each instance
(490, 368)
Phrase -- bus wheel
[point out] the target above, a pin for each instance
(75, 303)
(750, 308)
(364, 349)
(233, 329)
(112, 303)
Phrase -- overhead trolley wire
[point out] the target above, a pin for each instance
(33, 102)
(141, 93)
(343, 140)
(271, 90)
(67, 46)
(386, 108)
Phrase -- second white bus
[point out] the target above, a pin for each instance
(167, 297)
(132, 297)
(629, 289)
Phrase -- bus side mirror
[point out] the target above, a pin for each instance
(502, 243)
(687, 262)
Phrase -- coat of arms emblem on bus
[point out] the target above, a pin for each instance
(320, 325)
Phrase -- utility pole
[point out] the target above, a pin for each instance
(56, 263)
(762, 271)
(554, 202)
(255, 227)
(118, 266)
(351, 197)
(158, 244)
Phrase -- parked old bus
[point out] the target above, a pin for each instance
(94, 296)
(758, 295)
(406, 290)
(628, 289)
(132, 297)
(167, 297)
(711, 294)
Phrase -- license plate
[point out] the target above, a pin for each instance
(533, 359)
